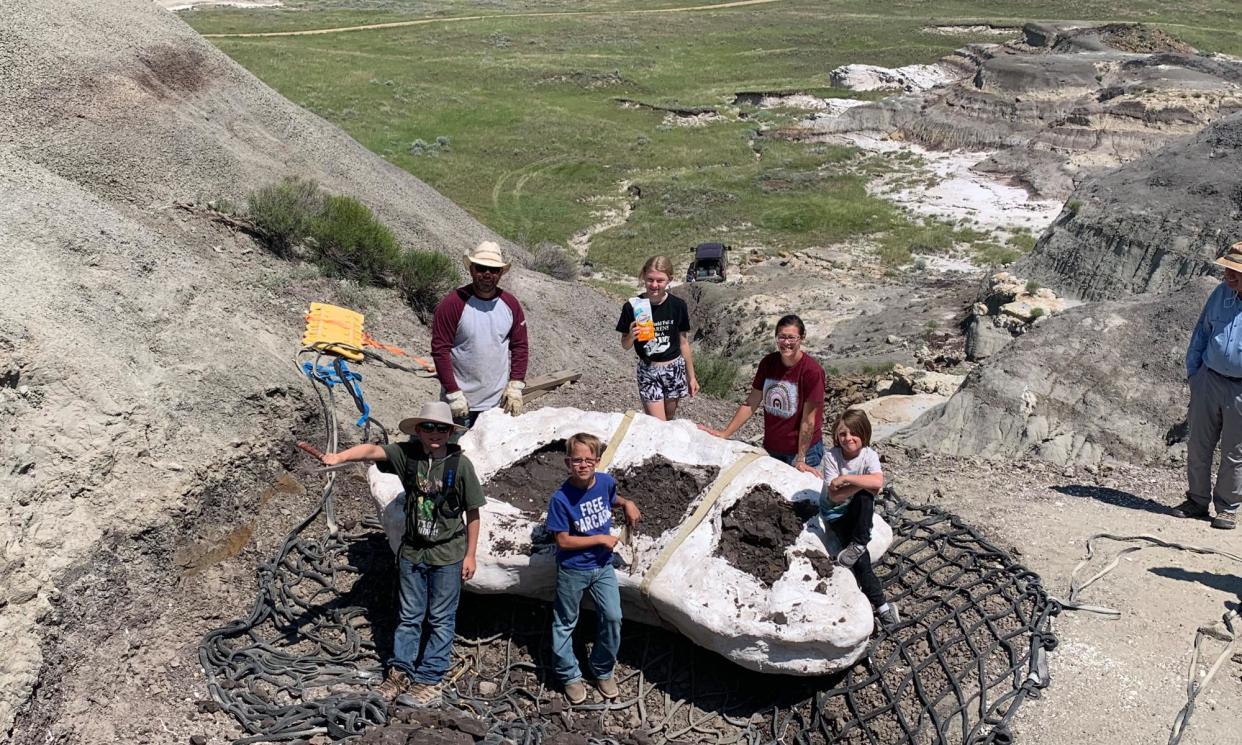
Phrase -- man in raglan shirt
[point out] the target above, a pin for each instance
(478, 341)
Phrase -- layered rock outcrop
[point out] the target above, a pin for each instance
(1062, 102)
(1096, 382)
(1150, 225)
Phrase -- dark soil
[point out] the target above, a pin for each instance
(663, 491)
(529, 483)
(539, 540)
(757, 530)
(823, 567)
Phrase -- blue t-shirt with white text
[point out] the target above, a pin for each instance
(583, 512)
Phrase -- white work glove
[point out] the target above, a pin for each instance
(458, 404)
(511, 399)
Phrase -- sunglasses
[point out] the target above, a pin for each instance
(479, 268)
(432, 427)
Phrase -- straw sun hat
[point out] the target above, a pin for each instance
(1232, 258)
(436, 412)
(486, 253)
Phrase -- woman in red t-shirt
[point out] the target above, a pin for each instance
(790, 385)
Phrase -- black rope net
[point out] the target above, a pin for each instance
(970, 649)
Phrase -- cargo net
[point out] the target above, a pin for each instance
(970, 649)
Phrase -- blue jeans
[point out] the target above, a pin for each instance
(814, 455)
(428, 593)
(570, 584)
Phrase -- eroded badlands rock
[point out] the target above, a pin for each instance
(1062, 103)
(1099, 381)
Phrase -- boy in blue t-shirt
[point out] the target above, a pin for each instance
(580, 516)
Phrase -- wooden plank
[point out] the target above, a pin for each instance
(551, 380)
(544, 384)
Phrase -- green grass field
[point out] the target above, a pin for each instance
(520, 121)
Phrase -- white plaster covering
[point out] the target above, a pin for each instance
(697, 593)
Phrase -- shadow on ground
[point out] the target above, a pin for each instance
(1115, 497)
(1224, 582)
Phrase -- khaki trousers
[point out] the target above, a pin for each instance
(1215, 415)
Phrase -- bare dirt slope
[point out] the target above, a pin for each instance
(146, 354)
(1114, 681)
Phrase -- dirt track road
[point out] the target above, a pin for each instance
(459, 19)
(653, 11)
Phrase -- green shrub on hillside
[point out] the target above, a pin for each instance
(283, 212)
(554, 261)
(344, 239)
(350, 242)
(424, 277)
(988, 253)
(716, 374)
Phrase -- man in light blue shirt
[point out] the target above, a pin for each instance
(1214, 369)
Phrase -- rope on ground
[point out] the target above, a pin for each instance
(299, 637)
(972, 651)
(1221, 631)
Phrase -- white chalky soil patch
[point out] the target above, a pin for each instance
(961, 195)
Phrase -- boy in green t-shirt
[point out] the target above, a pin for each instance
(442, 501)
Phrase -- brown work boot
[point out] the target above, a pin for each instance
(1225, 521)
(608, 688)
(576, 692)
(396, 682)
(427, 694)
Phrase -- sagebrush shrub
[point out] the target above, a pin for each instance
(424, 277)
(344, 239)
(283, 212)
(554, 261)
(716, 374)
(350, 242)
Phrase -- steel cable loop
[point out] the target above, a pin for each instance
(295, 642)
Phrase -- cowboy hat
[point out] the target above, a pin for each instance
(1232, 258)
(486, 253)
(437, 412)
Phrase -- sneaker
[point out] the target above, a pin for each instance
(850, 554)
(396, 682)
(1225, 521)
(427, 694)
(1190, 508)
(608, 688)
(889, 616)
(576, 692)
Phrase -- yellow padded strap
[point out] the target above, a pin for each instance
(699, 515)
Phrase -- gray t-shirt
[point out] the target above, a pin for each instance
(834, 465)
(481, 351)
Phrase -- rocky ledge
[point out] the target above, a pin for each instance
(1061, 103)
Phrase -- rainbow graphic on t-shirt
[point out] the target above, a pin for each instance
(780, 398)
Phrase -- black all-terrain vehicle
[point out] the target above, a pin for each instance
(709, 263)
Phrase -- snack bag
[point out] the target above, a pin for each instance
(644, 319)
